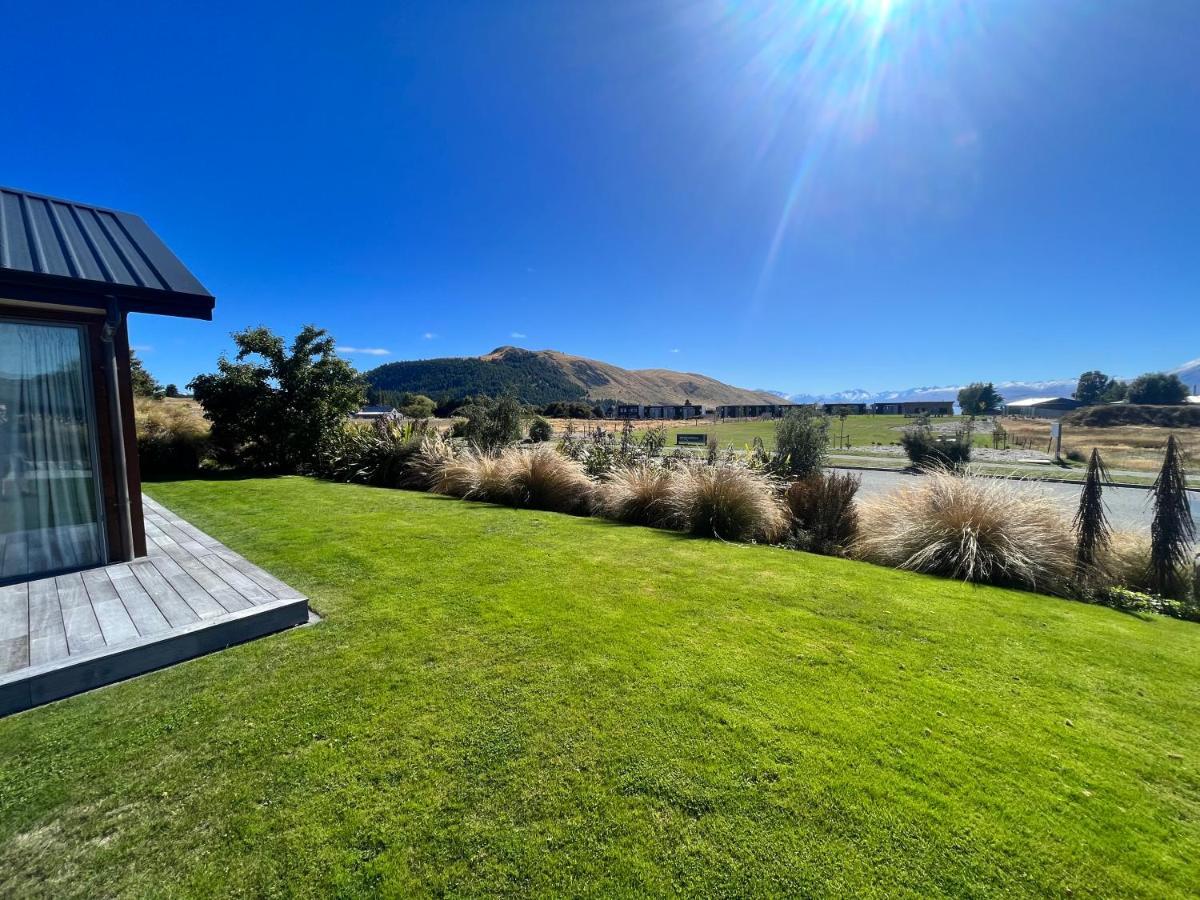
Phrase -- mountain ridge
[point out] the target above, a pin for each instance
(1189, 373)
(546, 376)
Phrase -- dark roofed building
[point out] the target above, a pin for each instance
(70, 273)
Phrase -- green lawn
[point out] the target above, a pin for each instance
(861, 430)
(501, 701)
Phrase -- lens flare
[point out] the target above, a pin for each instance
(820, 77)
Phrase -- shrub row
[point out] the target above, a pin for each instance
(975, 529)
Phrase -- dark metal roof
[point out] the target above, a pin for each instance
(58, 251)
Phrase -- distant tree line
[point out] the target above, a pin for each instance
(1153, 388)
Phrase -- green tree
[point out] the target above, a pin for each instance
(491, 424)
(1172, 530)
(273, 407)
(171, 391)
(1093, 534)
(417, 406)
(801, 443)
(1117, 390)
(1158, 388)
(540, 430)
(1092, 387)
(144, 384)
(978, 399)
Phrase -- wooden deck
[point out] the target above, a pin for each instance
(191, 595)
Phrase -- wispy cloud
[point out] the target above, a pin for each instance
(369, 351)
(428, 336)
(674, 349)
(519, 334)
(142, 348)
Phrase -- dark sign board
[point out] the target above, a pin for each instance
(700, 439)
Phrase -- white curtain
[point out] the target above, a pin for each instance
(49, 519)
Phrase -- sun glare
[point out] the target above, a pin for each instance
(824, 75)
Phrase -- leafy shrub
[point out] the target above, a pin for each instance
(801, 443)
(273, 408)
(978, 529)
(824, 518)
(732, 503)
(490, 425)
(1158, 388)
(172, 439)
(540, 430)
(639, 494)
(380, 453)
(541, 478)
(927, 449)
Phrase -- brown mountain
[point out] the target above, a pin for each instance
(604, 381)
(543, 376)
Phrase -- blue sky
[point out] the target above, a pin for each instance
(797, 196)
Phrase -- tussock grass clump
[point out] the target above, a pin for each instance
(727, 502)
(436, 452)
(1125, 562)
(976, 529)
(824, 518)
(542, 478)
(470, 475)
(173, 438)
(639, 494)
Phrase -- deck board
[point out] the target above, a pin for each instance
(190, 595)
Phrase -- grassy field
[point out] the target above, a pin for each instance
(500, 701)
(861, 430)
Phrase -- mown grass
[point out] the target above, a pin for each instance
(506, 701)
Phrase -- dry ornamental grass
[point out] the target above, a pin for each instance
(727, 502)
(975, 529)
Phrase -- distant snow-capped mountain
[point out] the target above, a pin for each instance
(1189, 373)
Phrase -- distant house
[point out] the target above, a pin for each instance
(760, 410)
(685, 410)
(377, 411)
(1042, 407)
(848, 409)
(915, 408)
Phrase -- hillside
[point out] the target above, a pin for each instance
(543, 376)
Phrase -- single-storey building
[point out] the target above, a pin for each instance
(685, 410)
(915, 408)
(375, 411)
(1042, 407)
(70, 273)
(760, 410)
(848, 409)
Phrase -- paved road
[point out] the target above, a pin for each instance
(1127, 507)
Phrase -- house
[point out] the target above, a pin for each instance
(375, 411)
(844, 409)
(915, 408)
(685, 410)
(1042, 407)
(760, 410)
(70, 273)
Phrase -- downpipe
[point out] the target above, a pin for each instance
(108, 335)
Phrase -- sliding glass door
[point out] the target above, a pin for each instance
(50, 519)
